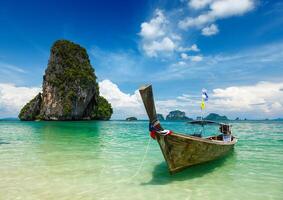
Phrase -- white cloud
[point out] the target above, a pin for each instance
(258, 101)
(181, 63)
(166, 45)
(157, 36)
(124, 105)
(218, 9)
(199, 4)
(228, 8)
(194, 47)
(197, 22)
(176, 37)
(210, 30)
(266, 60)
(184, 56)
(13, 98)
(196, 58)
(155, 27)
(264, 99)
(160, 37)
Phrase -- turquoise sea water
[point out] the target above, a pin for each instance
(101, 160)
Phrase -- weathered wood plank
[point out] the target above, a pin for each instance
(181, 151)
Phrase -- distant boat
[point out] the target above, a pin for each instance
(181, 151)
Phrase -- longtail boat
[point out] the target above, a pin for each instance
(182, 150)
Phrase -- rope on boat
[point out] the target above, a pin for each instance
(141, 163)
(143, 159)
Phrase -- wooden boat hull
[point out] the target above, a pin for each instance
(181, 151)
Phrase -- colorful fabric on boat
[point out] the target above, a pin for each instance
(156, 128)
(204, 95)
(164, 133)
(152, 134)
(202, 105)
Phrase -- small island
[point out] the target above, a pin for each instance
(70, 88)
(177, 115)
(131, 119)
(216, 117)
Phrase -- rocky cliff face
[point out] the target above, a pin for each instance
(69, 84)
(70, 90)
(177, 115)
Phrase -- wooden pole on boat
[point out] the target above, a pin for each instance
(148, 101)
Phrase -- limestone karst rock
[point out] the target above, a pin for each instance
(70, 90)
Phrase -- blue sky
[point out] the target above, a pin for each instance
(233, 48)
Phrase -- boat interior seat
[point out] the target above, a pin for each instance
(219, 138)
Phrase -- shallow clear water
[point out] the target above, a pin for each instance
(101, 160)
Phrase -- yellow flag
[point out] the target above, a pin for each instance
(202, 105)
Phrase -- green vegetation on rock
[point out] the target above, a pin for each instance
(74, 61)
(32, 109)
(103, 110)
(215, 117)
